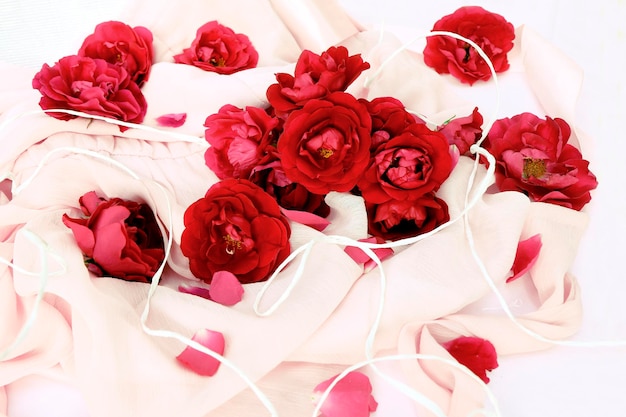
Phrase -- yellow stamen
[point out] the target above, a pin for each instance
(231, 244)
(325, 153)
(533, 168)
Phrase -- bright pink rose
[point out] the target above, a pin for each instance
(389, 118)
(407, 167)
(218, 48)
(316, 76)
(235, 227)
(120, 44)
(119, 238)
(533, 157)
(92, 86)
(490, 31)
(477, 354)
(325, 145)
(399, 219)
(463, 132)
(239, 140)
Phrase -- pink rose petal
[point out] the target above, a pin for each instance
(225, 288)
(172, 119)
(361, 257)
(526, 256)
(193, 290)
(200, 362)
(351, 397)
(308, 219)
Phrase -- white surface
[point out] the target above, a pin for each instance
(573, 382)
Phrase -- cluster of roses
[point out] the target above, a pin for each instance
(106, 75)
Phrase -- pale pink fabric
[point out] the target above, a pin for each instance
(91, 326)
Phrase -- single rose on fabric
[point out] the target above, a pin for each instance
(325, 145)
(235, 227)
(478, 355)
(526, 256)
(463, 132)
(119, 238)
(315, 76)
(217, 48)
(399, 219)
(120, 44)
(240, 139)
(200, 362)
(533, 156)
(389, 118)
(92, 86)
(407, 167)
(490, 31)
(350, 397)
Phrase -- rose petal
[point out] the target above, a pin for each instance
(200, 362)
(308, 219)
(360, 257)
(172, 119)
(478, 355)
(350, 397)
(193, 290)
(526, 256)
(225, 288)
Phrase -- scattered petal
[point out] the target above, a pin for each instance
(351, 397)
(200, 362)
(526, 256)
(192, 289)
(478, 355)
(172, 119)
(308, 219)
(225, 288)
(360, 257)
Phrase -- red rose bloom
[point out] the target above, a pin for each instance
(389, 118)
(92, 86)
(120, 44)
(239, 140)
(533, 157)
(316, 76)
(235, 227)
(119, 238)
(325, 145)
(399, 219)
(406, 167)
(477, 354)
(463, 132)
(218, 48)
(490, 31)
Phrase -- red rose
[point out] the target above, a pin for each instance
(218, 48)
(488, 30)
(119, 238)
(235, 227)
(239, 140)
(92, 86)
(463, 132)
(477, 354)
(406, 167)
(399, 219)
(389, 118)
(325, 145)
(316, 76)
(533, 157)
(120, 44)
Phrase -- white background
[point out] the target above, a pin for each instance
(573, 382)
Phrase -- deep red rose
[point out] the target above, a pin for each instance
(490, 31)
(120, 44)
(315, 76)
(218, 48)
(119, 238)
(239, 140)
(399, 219)
(407, 167)
(477, 354)
(92, 86)
(325, 145)
(389, 118)
(463, 132)
(235, 227)
(533, 157)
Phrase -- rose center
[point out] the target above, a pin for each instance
(533, 168)
(79, 86)
(217, 62)
(232, 244)
(325, 152)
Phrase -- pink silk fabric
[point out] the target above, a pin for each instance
(91, 326)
